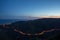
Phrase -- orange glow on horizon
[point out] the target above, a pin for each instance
(49, 17)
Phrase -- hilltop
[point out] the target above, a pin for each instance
(38, 29)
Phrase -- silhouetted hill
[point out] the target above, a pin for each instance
(37, 25)
(56, 37)
(38, 29)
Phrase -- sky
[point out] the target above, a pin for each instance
(33, 8)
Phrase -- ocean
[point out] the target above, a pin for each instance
(4, 21)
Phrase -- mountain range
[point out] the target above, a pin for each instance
(39, 29)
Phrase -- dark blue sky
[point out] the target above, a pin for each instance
(33, 8)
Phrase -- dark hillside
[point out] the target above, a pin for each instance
(46, 28)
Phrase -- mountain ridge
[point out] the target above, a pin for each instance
(37, 29)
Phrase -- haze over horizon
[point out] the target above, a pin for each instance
(30, 9)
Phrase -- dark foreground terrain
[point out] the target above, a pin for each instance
(40, 29)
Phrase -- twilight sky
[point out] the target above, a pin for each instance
(33, 8)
